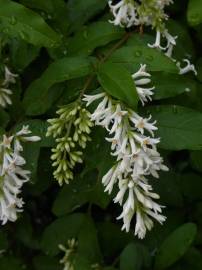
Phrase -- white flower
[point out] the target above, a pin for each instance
(12, 175)
(124, 12)
(134, 146)
(5, 93)
(189, 67)
(141, 78)
(9, 77)
(69, 251)
(5, 97)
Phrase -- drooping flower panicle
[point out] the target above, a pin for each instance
(12, 174)
(71, 131)
(134, 146)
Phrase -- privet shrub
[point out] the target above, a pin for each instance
(100, 134)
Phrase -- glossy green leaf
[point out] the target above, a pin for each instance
(133, 56)
(178, 127)
(43, 262)
(133, 257)
(93, 36)
(38, 98)
(194, 12)
(170, 85)
(17, 20)
(117, 82)
(84, 11)
(175, 245)
(78, 226)
(196, 160)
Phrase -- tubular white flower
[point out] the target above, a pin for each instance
(9, 77)
(136, 157)
(5, 93)
(69, 252)
(124, 12)
(12, 176)
(141, 78)
(189, 67)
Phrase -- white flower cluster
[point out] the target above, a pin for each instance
(12, 175)
(129, 13)
(69, 251)
(5, 92)
(134, 146)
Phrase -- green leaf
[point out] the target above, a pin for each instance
(60, 231)
(117, 81)
(37, 97)
(4, 118)
(78, 226)
(133, 257)
(93, 36)
(196, 160)
(3, 241)
(54, 11)
(43, 262)
(175, 245)
(10, 263)
(169, 189)
(22, 53)
(194, 12)
(191, 185)
(112, 239)
(81, 11)
(170, 85)
(178, 127)
(17, 20)
(133, 56)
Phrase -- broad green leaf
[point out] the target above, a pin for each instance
(10, 263)
(196, 160)
(117, 81)
(3, 241)
(54, 11)
(175, 245)
(78, 226)
(22, 53)
(38, 96)
(79, 12)
(169, 189)
(17, 20)
(93, 36)
(133, 56)
(194, 12)
(43, 262)
(60, 231)
(4, 118)
(170, 85)
(80, 191)
(112, 239)
(133, 257)
(191, 186)
(178, 127)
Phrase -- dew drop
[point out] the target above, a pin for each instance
(149, 58)
(85, 34)
(138, 53)
(13, 20)
(175, 110)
